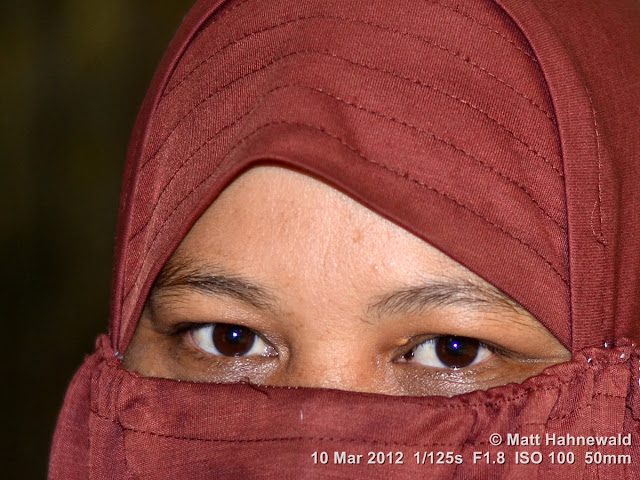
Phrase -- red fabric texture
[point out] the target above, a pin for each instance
(502, 133)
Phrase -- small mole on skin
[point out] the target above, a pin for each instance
(357, 236)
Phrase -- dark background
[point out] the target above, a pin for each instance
(73, 74)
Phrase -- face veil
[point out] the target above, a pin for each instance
(477, 126)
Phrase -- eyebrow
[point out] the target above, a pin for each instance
(439, 293)
(180, 274)
(212, 280)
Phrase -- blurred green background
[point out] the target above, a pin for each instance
(74, 73)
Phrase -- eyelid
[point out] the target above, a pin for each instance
(494, 347)
(176, 315)
(207, 345)
(416, 342)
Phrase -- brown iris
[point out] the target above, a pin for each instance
(233, 340)
(457, 352)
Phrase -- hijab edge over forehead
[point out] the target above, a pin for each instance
(595, 290)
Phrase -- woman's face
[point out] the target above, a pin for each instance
(286, 281)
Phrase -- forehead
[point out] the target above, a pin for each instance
(280, 224)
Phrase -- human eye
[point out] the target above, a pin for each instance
(230, 340)
(449, 352)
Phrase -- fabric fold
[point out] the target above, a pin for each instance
(198, 428)
(499, 132)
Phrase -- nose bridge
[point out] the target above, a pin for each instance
(343, 376)
(330, 362)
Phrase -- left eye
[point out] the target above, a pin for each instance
(449, 352)
(227, 340)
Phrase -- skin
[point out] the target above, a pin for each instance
(334, 295)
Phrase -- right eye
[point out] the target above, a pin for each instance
(449, 352)
(228, 340)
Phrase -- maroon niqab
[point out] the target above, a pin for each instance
(478, 126)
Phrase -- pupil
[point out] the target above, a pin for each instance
(233, 340)
(457, 352)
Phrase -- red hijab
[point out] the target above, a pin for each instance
(478, 126)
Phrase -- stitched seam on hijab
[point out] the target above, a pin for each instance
(218, 15)
(599, 236)
(359, 107)
(378, 442)
(489, 28)
(298, 438)
(435, 137)
(294, 438)
(609, 395)
(575, 410)
(459, 55)
(127, 467)
(454, 10)
(403, 175)
(277, 439)
(393, 74)
(360, 154)
(466, 443)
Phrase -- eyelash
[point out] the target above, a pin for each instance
(207, 337)
(433, 352)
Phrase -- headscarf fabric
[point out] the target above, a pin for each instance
(480, 127)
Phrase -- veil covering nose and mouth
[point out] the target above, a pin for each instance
(503, 133)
